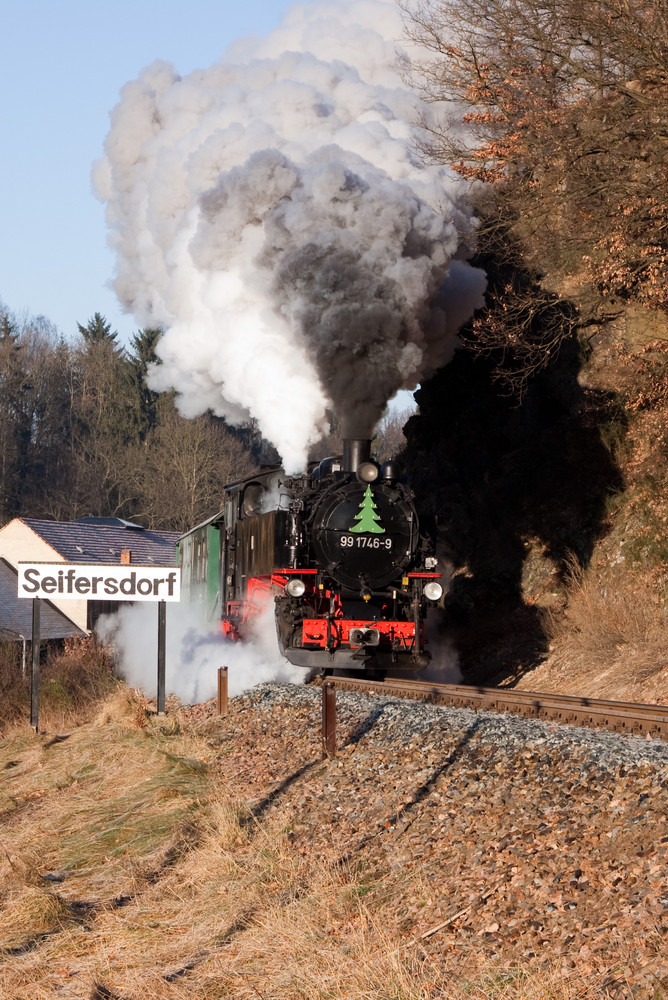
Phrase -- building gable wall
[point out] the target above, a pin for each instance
(19, 543)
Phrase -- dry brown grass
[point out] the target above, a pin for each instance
(167, 887)
(613, 625)
(549, 983)
(29, 913)
(74, 680)
(14, 685)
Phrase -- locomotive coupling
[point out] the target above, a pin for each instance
(364, 637)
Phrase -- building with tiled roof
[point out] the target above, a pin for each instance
(101, 540)
(16, 613)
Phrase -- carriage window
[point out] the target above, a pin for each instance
(251, 503)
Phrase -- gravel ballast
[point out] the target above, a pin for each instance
(502, 839)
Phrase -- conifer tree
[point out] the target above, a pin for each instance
(106, 418)
(15, 418)
(98, 331)
(143, 354)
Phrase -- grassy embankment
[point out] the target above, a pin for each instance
(608, 633)
(130, 870)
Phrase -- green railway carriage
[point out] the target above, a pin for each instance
(241, 543)
(199, 555)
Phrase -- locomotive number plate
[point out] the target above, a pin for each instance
(365, 542)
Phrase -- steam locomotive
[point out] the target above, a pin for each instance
(339, 549)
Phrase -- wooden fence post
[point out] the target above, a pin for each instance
(221, 705)
(328, 719)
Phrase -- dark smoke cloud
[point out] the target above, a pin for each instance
(271, 213)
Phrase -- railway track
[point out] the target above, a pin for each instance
(623, 717)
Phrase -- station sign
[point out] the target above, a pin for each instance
(92, 581)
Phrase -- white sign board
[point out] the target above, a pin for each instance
(85, 581)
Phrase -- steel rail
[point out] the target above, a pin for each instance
(625, 717)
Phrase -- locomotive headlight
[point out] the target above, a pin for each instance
(433, 590)
(295, 587)
(368, 472)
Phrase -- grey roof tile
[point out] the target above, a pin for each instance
(102, 539)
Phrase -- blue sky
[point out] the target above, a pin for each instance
(62, 66)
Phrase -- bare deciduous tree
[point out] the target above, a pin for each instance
(389, 439)
(180, 469)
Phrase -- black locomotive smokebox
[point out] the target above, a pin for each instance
(365, 533)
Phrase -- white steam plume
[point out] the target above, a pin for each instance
(272, 214)
(194, 651)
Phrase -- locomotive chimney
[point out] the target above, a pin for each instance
(355, 451)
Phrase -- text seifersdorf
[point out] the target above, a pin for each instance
(101, 582)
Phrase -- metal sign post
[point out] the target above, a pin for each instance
(162, 619)
(61, 581)
(34, 677)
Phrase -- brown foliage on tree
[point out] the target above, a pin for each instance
(566, 123)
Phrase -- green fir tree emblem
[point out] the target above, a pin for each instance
(367, 516)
